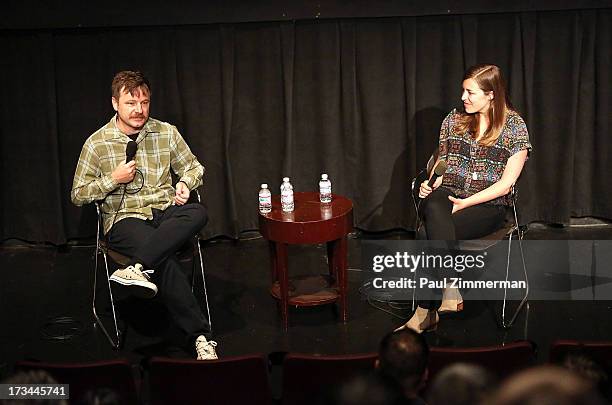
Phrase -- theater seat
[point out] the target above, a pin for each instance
(306, 376)
(601, 352)
(500, 360)
(231, 380)
(114, 375)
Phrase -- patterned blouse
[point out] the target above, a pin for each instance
(473, 167)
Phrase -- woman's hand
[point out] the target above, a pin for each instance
(458, 203)
(425, 190)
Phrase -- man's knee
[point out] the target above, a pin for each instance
(198, 214)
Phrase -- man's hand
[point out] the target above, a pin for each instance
(124, 173)
(182, 193)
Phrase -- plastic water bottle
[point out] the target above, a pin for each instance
(325, 192)
(287, 195)
(265, 199)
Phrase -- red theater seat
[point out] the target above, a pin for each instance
(115, 375)
(231, 380)
(306, 375)
(601, 352)
(500, 360)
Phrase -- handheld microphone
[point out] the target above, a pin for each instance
(130, 151)
(439, 170)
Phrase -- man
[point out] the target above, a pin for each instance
(402, 360)
(145, 217)
(461, 384)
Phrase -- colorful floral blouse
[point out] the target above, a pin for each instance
(473, 167)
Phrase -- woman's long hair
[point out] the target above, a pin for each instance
(489, 79)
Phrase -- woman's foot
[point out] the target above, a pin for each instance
(423, 320)
(452, 301)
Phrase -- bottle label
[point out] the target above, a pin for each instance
(325, 195)
(287, 200)
(265, 203)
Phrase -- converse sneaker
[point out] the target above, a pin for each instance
(206, 348)
(137, 279)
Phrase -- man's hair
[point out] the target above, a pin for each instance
(129, 81)
(547, 385)
(461, 384)
(31, 377)
(365, 389)
(403, 357)
(588, 368)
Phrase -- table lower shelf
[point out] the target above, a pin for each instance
(308, 291)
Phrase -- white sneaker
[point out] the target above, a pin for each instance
(134, 276)
(206, 348)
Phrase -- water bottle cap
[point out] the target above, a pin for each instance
(264, 185)
(286, 179)
(324, 176)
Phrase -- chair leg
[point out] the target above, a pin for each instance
(505, 324)
(203, 281)
(113, 341)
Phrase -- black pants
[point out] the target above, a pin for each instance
(470, 223)
(153, 243)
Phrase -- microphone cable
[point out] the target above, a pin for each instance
(125, 191)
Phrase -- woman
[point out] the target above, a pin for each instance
(485, 148)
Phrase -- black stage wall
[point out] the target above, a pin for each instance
(359, 98)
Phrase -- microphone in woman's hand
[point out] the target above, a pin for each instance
(439, 170)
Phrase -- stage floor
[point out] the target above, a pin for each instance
(45, 301)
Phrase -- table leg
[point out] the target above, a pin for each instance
(331, 262)
(339, 259)
(283, 280)
(273, 262)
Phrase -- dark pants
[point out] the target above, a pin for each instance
(470, 223)
(153, 243)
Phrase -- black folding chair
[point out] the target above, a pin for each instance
(193, 252)
(511, 230)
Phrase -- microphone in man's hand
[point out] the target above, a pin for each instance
(439, 170)
(130, 151)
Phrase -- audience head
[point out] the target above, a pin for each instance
(461, 384)
(547, 385)
(366, 389)
(100, 396)
(31, 377)
(402, 358)
(586, 367)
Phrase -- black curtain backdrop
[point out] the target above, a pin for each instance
(360, 99)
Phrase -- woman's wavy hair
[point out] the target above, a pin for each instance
(489, 78)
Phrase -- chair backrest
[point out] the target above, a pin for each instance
(500, 360)
(115, 375)
(305, 376)
(601, 352)
(231, 380)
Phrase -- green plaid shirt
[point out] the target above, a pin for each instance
(160, 148)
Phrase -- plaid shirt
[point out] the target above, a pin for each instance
(160, 148)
